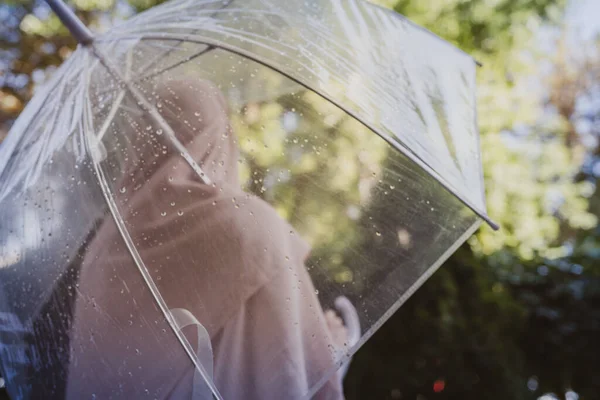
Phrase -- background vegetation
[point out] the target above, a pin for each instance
(513, 314)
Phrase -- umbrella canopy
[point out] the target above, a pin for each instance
(189, 195)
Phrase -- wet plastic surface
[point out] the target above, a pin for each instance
(176, 220)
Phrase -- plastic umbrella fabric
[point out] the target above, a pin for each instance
(186, 200)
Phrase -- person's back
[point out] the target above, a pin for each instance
(222, 255)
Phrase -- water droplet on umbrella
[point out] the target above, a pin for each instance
(378, 233)
(164, 214)
(123, 190)
(180, 213)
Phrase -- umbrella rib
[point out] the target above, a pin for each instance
(117, 102)
(142, 78)
(129, 241)
(145, 104)
(396, 144)
(177, 64)
(167, 52)
(46, 91)
(170, 50)
(30, 116)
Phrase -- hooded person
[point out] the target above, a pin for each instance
(222, 256)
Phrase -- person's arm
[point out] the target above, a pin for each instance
(278, 345)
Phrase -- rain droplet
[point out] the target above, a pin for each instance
(164, 214)
(172, 204)
(123, 190)
(170, 179)
(180, 213)
(378, 233)
(316, 291)
(159, 132)
(214, 203)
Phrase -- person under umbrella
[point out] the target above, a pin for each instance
(218, 255)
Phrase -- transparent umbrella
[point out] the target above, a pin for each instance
(194, 192)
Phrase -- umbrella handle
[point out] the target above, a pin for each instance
(183, 318)
(352, 323)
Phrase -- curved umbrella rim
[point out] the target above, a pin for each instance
(395, 143)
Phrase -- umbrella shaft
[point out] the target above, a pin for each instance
(70, 20)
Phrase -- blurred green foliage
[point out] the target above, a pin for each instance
(513, 314)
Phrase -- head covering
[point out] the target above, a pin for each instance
(222, 254)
